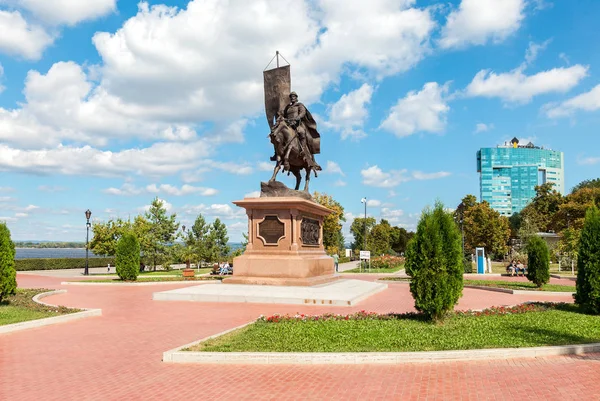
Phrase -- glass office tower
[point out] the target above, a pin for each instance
(509, 173)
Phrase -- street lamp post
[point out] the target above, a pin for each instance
(364, 200)
(88, 214)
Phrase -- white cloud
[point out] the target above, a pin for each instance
(128, 189)
(340, 183)
(373, 203)
(533, 51)
(516, 87)
(265, 166)
(333, 168)
(18, 37)
(419, 111)
(588, 101)
(254, 194)
(4, 199)
(157, 160)
(222, 211)
(481, 127)
(30, 208)
(6, 189)
(7, 219)
(68, 12)
(21, 215)
(348, 115)
(588, 161)
(2, 87)
(51, 188)
(478, 21)
(419, 175)
(375, 177)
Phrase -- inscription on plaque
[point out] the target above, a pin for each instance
(271, 230)
(310, 231)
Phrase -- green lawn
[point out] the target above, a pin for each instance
(357, 270)
(21, 308)
(563, 325)
(516, 285)
(500, 267)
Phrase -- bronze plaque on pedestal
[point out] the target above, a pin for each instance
(310, 231)
(271, 230)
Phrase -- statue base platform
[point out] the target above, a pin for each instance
(285, 244)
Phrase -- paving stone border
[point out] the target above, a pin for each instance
(11, 328)
(196, 282)
(176, 355)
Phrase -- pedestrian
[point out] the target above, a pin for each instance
(109, 267)
(336, 259)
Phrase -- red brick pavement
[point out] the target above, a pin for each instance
(118, 356)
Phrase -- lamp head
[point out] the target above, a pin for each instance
(88, 214)
(363, 200)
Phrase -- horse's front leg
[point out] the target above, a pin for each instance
(298, 178)
(275, 171)
(307, 180)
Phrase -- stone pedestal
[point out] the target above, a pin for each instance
(285, 244)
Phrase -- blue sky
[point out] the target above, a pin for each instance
(107, 104)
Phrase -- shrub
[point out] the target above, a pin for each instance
(588, 263)
(60, 263)
(434, 261)
(538, 261)
(127, 257)
(467, 263)
(8, 276)
(386, 262)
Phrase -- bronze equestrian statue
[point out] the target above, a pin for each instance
(296, 140)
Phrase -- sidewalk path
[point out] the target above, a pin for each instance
(118, 356)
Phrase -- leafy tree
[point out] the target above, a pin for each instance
(333, 239)
(242, 248)
(588, 263)
(483, 226)
(434, 261)
(197, 239)
(217, 242)
(540, 211)
(160, 233)
(358, 227)
(399, 238)
(8, 275)
(106, 235)
(515, 221)
(587, 184)
(467, 203)
(380, 237)
(538, 261)
(127, 257)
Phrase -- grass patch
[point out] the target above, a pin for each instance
(21, 308)
(516, 285)
(150, 279)
(564, 324)
(175, 272)
(390, 270)
(500, 267)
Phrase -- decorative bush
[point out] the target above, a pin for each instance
(434, 260)
(538, 261)
(127, 257)
(386, 262)
(60, 263)
(588, 263)
(8, 276)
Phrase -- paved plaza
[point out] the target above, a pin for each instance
(118, 356)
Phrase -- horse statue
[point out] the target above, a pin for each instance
(290, 153)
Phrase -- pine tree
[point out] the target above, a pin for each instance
(160, 233)
(127, 257)
(538, 261)
(588, 263)
(434, 261)
(217, 242)
(8, 275)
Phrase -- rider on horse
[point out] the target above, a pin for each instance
(299, 118)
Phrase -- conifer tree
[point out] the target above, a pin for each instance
(8, 275)
(538, 261)
(127, 257)
(434, 261)
(588, 263)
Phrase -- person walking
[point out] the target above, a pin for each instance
(336, 260)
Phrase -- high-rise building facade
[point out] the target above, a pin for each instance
(509, 173)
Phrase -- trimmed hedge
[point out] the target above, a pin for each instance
(22, 265)
(8, 281)
(588, 263)
(538, 261)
